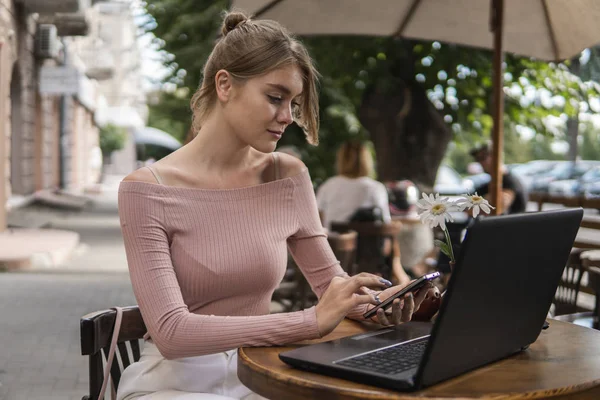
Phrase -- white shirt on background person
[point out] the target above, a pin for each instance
(339, 197)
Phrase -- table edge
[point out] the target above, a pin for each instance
(246, 362)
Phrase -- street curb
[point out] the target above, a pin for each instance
(35, 248)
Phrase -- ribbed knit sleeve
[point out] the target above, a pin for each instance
(309, 245)
(172, 327)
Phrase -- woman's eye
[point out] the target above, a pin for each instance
(274, 100)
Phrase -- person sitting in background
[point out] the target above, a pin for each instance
(514, 196)
(352, 195)
(352, 189)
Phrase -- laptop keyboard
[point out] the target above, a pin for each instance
(389, 361)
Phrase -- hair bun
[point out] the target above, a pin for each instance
(233, 20)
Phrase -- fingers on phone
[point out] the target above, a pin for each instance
(409, 307)
(382, 317)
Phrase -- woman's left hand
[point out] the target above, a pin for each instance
(403, 308)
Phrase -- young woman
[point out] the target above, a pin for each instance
(207, 229)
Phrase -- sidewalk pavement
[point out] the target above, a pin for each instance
(54, 238)
(40, 353)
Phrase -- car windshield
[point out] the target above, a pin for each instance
(580, 169)
(591, 175)
(534, 167)
(560, 170)
(447, 176)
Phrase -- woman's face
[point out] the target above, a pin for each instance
(260, 109)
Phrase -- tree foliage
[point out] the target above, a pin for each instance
(457, 81)
(112, 138)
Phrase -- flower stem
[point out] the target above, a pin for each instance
(449, 243)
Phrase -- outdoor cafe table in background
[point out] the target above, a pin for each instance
(564, 363)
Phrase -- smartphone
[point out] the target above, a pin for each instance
(411, 287)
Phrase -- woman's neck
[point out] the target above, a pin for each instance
(217, 147)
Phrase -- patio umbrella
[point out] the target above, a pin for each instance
(549, 30)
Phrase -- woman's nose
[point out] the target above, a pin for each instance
(285, 115)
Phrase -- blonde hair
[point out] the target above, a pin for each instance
(354, 160)
(249, 49)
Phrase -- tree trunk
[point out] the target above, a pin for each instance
(106, 160)
(409, 134)
(572, 134)
(573, 122)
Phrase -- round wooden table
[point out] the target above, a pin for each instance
(563, 363)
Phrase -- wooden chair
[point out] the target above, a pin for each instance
(285, 296)
(96, 331)
(369, 247)
(565, 298)
(591, 262)
(344, 245)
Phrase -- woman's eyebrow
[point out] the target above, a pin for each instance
(282, 88)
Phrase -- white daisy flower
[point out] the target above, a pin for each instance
(475, 202)
(435, 211)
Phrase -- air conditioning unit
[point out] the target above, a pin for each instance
(46, 41)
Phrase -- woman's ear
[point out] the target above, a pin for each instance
(223, 85)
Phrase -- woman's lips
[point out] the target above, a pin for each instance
(277, 134)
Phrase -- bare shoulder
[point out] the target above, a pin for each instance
(140, 175)
(290, 165)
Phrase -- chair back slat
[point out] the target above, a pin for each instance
(565, 298)
(344, 247)
(370, 243)
(115, 369)
(124, 353)
(591, 262)
(96, 375)
(96, 331)
(135, 349)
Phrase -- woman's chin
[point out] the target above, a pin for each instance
(266, 148)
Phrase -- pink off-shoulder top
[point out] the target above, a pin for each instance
(204, 263)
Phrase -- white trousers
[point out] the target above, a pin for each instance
(209, 377)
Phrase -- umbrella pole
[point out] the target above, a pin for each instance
(497, 19)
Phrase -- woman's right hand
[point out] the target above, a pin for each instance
(342, 295)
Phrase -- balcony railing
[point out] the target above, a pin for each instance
(100, 64)
(47, 7)
(68, 24)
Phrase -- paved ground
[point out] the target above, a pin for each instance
(40, 309)
(40, 352)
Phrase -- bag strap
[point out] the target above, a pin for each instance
(111, 355)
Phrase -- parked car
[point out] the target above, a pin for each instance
(591, 189)
(478, 180)
(529, 171)
(449, 182)
(589, 185)
(574, 187)
(562, 171)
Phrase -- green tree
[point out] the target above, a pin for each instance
(112, 138)
(541, 148)
(589, 148)
(410, 98)
(171, 113)
(458, 157)
(516, 149)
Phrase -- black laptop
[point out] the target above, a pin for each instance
(497, 300)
